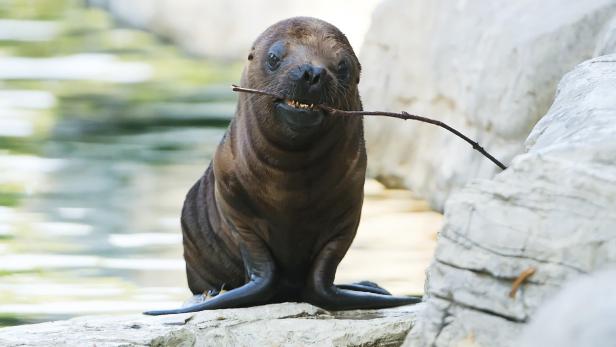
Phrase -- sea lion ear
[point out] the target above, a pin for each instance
(251, 54)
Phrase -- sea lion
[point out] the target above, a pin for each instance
(279, 205)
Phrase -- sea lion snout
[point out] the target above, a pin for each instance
(308, 80)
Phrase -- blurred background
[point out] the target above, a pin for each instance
(109, 111)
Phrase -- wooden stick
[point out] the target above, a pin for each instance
(403, 115)
(524, 275)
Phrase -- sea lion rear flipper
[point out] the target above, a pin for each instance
(365, 286)
(323, 293)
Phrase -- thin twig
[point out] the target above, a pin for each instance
(403, 115)
(524, 275)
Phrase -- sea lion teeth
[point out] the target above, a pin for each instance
(298, 104)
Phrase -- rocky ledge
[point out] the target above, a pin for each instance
(548, 219)
(286, 324)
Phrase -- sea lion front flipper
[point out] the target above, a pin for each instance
(258, 290)
(322, 292)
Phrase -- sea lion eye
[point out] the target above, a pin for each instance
(275, 54)
(273, 61)
(343, 69)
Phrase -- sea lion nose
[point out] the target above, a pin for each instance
(308, 77)
(312, 74)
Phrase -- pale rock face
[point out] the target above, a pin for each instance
(488, 68)
(288, 324)
(227, 28)
(553, 210)
(582, 314)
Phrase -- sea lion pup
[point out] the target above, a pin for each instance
(278, 207)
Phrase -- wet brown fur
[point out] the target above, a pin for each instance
(293, 193)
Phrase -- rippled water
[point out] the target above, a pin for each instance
(96, 218)
(89, 221)
(102, 132)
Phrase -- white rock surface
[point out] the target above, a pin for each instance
(582, 314)
(287, 324)
(227, 28)
(553, 210)
(488, 68)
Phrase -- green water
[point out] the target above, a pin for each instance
(94, 168)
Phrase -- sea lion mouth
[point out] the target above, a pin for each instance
(297, 114)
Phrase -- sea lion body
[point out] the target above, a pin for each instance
(279, 205)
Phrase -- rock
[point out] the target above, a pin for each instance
(607, 40)
(198, 26)
(269, 325)
(487, 68)
(582, 314)
(553, 211)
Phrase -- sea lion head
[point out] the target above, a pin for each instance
(307, 62)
